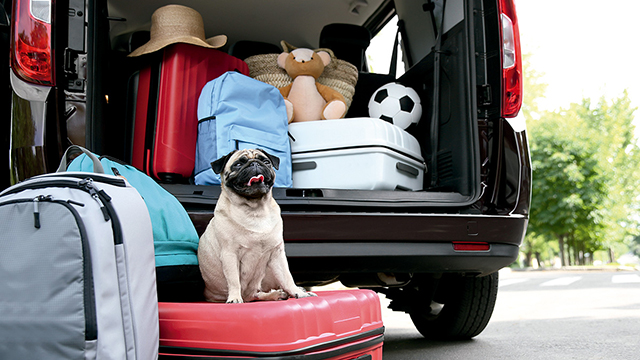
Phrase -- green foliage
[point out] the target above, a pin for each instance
(569, 185)
(611, 124)
(586, 178)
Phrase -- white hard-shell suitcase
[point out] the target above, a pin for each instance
(77, 279)
(355, 153)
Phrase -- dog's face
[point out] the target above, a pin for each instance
(249, 173)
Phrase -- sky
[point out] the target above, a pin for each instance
(585, 48)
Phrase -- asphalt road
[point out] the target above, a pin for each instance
(540, 315)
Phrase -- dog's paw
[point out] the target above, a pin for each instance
(273, 295)
(304, 294)
(234, 301)
(282, 295)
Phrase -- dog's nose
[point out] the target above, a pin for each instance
(254, 165)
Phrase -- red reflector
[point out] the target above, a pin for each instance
(469, 246)
(31, 54)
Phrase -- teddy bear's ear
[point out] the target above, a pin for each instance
(325, 56)
(282, 59)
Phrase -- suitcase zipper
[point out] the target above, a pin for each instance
(105, 206)
(212, 117)
(82, 175)
(36, 210)
(87, 184)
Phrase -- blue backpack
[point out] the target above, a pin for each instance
(237, 112)
(174, 237)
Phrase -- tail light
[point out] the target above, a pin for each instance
(31, 53)
(511, 60)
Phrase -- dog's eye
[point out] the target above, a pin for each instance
(266, 161)
(237, 165)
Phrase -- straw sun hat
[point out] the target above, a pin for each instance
(177, 24)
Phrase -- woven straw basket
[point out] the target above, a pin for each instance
(339, 74)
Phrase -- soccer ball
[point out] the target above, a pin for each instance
(397, 104)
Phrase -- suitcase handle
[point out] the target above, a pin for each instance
(409, 170)
(306, 165)
(73, 149)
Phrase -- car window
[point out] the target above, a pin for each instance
(379, 51)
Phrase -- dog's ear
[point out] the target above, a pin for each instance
(219, 164)
(274, 159)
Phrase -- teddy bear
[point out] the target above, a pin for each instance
(305, 98)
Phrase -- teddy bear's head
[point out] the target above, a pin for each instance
(304, 62)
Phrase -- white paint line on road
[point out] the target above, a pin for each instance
(563, 281)
(507, 282)
(625, 279)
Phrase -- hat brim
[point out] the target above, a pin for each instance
(159, 43)
(217, 41)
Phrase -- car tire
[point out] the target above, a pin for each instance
(465, 311)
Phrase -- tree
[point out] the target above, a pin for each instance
(586, 180)
(619, 154)
(569, 186)
(537, 246)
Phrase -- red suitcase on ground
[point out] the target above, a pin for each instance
(166, 102)
(344, 324)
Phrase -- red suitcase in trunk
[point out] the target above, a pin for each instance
(344, 324)
(166, 102)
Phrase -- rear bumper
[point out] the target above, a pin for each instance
(394, 227)
(314, 259)
(325, 245)
(389, 227)
(399, 243)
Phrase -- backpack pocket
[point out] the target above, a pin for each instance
(206, 147)
(47, 300)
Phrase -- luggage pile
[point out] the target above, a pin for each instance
(78, 271)
(194, 104)
(78, 281)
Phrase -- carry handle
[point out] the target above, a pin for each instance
(73, 149)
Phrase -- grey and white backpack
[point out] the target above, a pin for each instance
(77, 270)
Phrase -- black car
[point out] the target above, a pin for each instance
(434, 251)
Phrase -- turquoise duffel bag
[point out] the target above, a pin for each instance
(175, 238)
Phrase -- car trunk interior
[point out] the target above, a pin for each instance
(443, 70)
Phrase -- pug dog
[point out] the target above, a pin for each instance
(241, 253)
